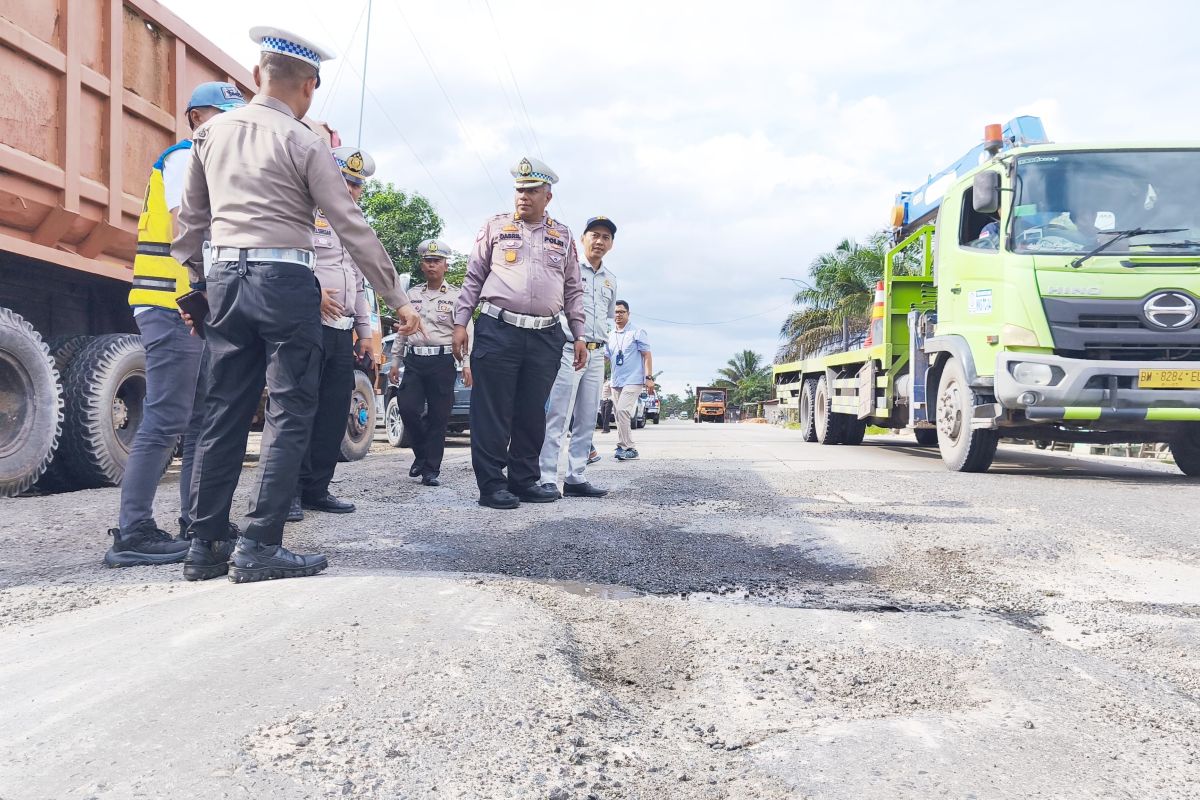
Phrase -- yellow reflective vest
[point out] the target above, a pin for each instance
(157, 278)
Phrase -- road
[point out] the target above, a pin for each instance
(746, 616)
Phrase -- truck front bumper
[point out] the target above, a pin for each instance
(1094, 390)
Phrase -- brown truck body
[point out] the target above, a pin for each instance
(710, 404)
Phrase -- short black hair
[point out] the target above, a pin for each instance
(623, 303)
(286, 70)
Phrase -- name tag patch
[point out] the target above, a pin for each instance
(445, 306)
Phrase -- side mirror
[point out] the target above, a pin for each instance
(985, 194)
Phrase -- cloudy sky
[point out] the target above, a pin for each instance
(730, 142)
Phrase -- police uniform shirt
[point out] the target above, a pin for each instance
(256, 177)
(525, 268)
(599, 301)
(436, 308)
(336, 270)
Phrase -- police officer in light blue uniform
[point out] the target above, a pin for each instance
(576, 394)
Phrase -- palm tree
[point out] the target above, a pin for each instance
(746, 364)
(843, 288)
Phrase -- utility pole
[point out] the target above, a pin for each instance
(362, 97)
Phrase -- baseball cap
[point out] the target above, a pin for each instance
(217, 94)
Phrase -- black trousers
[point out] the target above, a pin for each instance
(514, 370)
(329, 424)
(424, 401)
(606, 410)
(263, 326)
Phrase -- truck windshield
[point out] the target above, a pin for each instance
(1070, 203)
(711, 397)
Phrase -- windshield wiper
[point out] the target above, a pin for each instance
(1176, 245)
(1118, 236)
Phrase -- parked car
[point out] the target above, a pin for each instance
(460, 412)
(652, 406)
(639, 414)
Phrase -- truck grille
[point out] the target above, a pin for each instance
(1115, 330)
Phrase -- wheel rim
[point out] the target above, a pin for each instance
(358, 416)
(820, 414)
(128, 406)
(395, 425)
(16, 414)
(950, 411)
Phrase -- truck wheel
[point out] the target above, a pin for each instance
(63, 349)
(808, 420)
(655, 418)
(854, 430)
(31, 403)
(926, 437)
(829, 426)
(360, 422)
(963, 449)
(106, 395)
(392, 422)
(1185, 447)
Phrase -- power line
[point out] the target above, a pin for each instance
(513, 75)
(337, 76)
(512, 110)
(721, 322)
(437, 79)
(412, 150)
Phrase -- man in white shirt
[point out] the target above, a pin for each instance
(632, 365)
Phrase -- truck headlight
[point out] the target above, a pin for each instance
(1035, 374)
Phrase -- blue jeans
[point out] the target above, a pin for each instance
(173, 408)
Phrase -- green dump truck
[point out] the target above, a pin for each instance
(1035, 291)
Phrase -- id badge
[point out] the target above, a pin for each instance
(620, 359)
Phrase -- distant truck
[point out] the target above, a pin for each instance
(103, 91)
(710, 404)
(1035, 291)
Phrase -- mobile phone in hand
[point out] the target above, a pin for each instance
(195, 305)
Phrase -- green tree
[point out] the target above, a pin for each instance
(747, 378)
(842, 289)
(401, 221)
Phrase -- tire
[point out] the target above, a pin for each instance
(360, 420)
(1185, 447)
(1042, 444)
(654, 419)
(63, 349)
(808, 422)
(926, 437)
(854, 430)
(392, 422)
(31, 405)
(963, 449)
(106, 395)
(829, 426)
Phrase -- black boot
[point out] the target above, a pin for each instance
(296, 512)
(143, 545)
(418, 466)
(259, 562)
(207, 559)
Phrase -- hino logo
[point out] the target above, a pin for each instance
(1170, 310)
(1085, 291)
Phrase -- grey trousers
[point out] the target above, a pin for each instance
(573, 402)
(174, 407)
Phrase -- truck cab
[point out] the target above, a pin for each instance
(1035, 291)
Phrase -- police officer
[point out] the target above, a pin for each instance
(522, 273)
(174, 391)
(427, 393)
(576, 393)
(255, 176)
(344, 313)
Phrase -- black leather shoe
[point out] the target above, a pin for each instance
(546, 493)
(296, 512)
(142, 546)
(416, 469)
(501, 499)
(431, 479)
(207, 559)
(328, 503)
(252, 561)
(584, 489)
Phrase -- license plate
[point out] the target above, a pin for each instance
(1169, 379)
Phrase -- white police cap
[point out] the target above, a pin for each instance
(530, 172)
(284, 42)
(433, 248)
(356, 165)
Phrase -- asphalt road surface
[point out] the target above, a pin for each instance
(745, 616)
